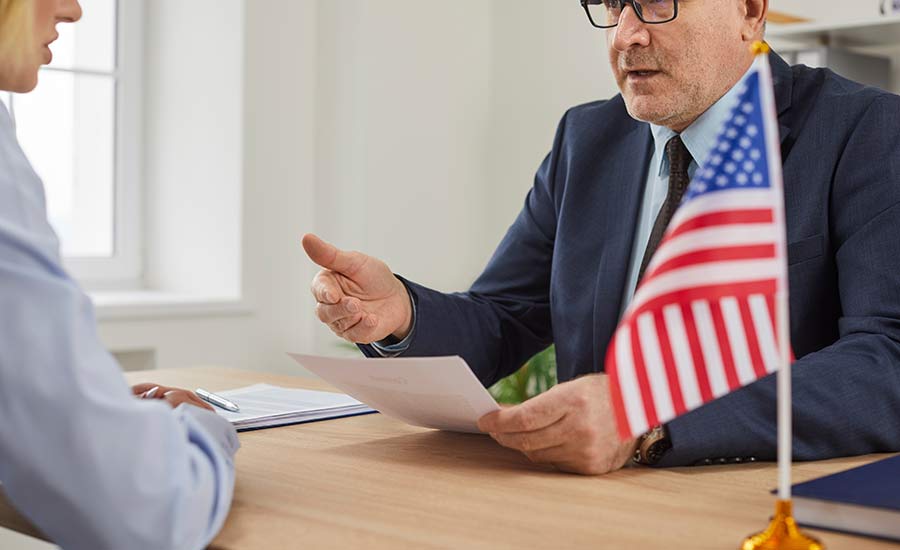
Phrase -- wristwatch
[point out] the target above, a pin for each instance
(652, 446)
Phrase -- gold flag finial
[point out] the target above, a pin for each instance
(782, 533)
(760, 47)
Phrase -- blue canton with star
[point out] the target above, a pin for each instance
(739, 159)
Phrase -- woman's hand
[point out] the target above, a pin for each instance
(174, 396)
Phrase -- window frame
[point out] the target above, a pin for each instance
(124, 269)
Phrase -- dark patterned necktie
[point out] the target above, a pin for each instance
(679, 160)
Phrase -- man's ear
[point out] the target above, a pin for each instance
(755, 13)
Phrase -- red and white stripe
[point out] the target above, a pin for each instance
(702, 322)
(710, 314)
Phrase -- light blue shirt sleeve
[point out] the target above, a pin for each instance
(90, 465)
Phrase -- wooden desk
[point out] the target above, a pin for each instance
(372, 482)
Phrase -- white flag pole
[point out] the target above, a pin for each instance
(782, 532)
(782, 316)
(785, 428)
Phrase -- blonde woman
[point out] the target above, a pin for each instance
(92, 467)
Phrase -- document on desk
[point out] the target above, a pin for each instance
(266, 406)
(433, 392)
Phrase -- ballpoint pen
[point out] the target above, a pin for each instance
(217, 400)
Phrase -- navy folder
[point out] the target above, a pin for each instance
(864, 500)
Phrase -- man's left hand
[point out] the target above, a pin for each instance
(571, 426)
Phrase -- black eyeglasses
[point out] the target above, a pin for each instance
(605, 14)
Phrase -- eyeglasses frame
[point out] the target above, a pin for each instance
(637, 11)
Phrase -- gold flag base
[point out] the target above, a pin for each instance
(782, 533)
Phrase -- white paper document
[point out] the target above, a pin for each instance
(265, 406)
(434, 392)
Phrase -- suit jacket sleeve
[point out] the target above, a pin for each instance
(504, 318)
(846, 397)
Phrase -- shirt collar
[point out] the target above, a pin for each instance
(700, 136)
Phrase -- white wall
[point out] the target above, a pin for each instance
(402, 128)
(257, 92)
(193, 153)
(403, 121)
(547, 58)
(280, 189)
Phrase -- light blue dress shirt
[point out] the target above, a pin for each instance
(699, 138)
(89, 464)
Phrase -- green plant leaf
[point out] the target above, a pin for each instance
(536, 376)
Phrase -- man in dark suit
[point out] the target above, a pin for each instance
(568, 265)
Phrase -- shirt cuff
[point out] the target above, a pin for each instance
(220, 430)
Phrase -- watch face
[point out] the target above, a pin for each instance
(653, 445)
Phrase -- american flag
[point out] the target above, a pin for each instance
(703, 319)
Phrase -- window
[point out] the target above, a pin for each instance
(80, 128)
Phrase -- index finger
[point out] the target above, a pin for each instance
(177, 397)
(325, 289)
(138, 389)
(534, 414)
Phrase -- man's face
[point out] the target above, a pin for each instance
(671, 73)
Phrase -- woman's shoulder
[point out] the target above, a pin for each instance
(23, 206)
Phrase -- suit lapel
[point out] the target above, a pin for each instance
(783, 81)
(790, 117)
(630, 162)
